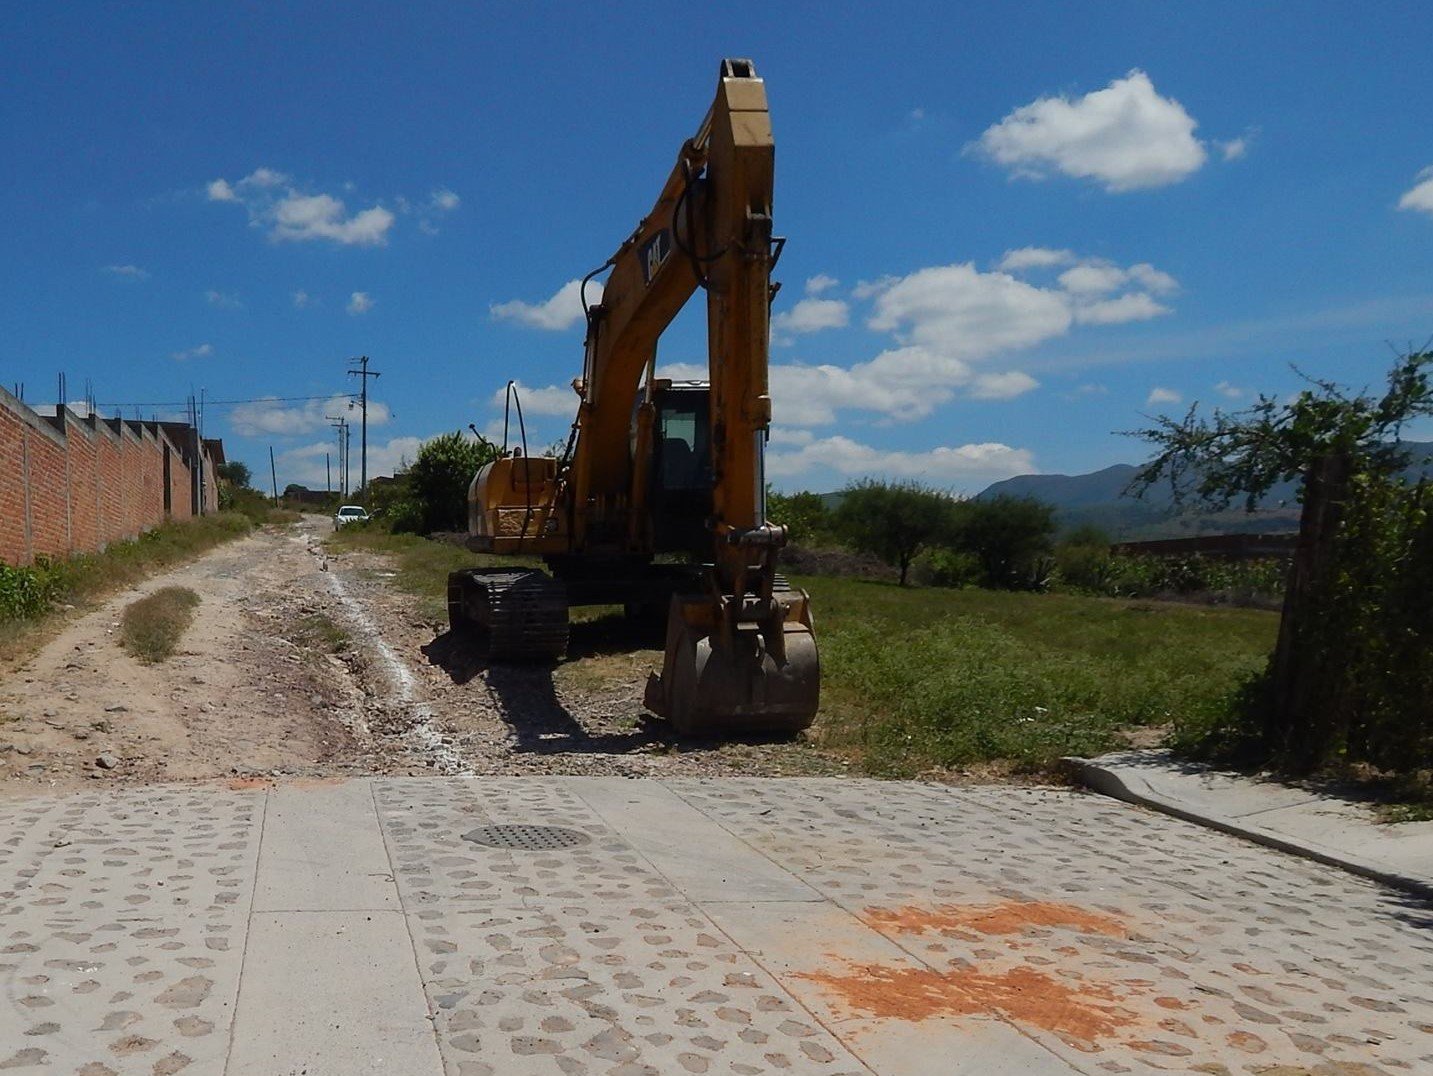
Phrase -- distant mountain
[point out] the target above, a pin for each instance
(1099, 499)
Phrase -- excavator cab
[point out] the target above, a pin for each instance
(681, 473)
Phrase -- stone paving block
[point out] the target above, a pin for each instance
(436, 865)
(586, 987)
(700, 858)
(121, 941)
(819, 952)
(1182, 947)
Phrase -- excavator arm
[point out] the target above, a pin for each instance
(741, 654)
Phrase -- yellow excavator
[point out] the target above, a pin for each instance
(655, 466)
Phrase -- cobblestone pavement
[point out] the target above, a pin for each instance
(599, 925)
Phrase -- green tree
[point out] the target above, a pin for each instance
(236, 473)
(1350, 673)
(1009, 536)
(438, 479)
(804, 514)
(894, 520)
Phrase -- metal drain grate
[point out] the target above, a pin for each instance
(528, 838)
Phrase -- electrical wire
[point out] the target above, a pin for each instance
(234, 403)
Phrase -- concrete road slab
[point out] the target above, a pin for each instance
(323, 851)
(690, 850)
(826, 958)
(122, 925)
(331, 994)
(1319, 826)
(918, 928)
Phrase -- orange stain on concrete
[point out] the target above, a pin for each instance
(1085, 1011)
(1012, 917)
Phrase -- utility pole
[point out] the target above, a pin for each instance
(327, 475)
(273, 475)
(339, 423)
(363, 373)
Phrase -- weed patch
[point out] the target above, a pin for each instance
(914, 680)
(29, 595)
(421, 565)
(151, 627)
(322, 632)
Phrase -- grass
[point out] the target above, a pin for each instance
(422, 565)
(31, 596)
(918, 680)
(151, 627)
(320, 631)
(925, 679)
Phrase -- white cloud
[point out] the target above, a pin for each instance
(1126, 137)
(360, 302)
(1155, 280)
(289, 213)
(1093, 278)
(975, 465)
(127, 272)
(1136, 306)
(264, 178)
(303, 217)
(1004, 386)
(866, 289)
(820, 282)
(1230, 391)
(1160, 395)
(305, 464)
(955, 332)
(444, 201)
(282, 419)
(1233, 149)
(962, 312)
(203, 351)
(302, 299)
(809, 316)
(1419, 197)
(1023, 258)
(558, 400)
(562, 311)
(224, 300)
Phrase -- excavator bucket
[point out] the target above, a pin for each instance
(724, 672)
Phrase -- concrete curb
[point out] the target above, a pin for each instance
(1133, 789)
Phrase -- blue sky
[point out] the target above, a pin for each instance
(1013, 229)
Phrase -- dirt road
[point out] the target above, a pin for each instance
(302, 663)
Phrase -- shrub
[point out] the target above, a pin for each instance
(439, 478)
(895, 521)
(1010, 537)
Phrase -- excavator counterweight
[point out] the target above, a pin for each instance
(661, 467)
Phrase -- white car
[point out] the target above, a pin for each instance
(349, 513)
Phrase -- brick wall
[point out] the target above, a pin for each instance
(74, 484)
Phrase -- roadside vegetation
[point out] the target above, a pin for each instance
(1348, 690)
(151, 627)
(33, 595)
(925, 679)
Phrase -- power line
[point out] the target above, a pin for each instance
(234, 403)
